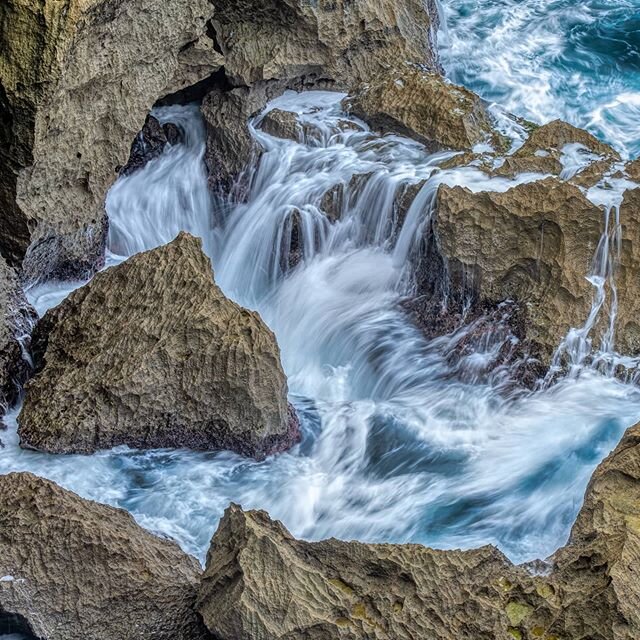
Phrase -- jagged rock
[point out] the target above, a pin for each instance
(632, 169)
(552, 137)
(423, 106)
(172, 133)
(262, 584)
(148, 144)
(77, 80)
(77, 570)
(532, 244)
(152, 354)
(515, 165)
(281, 124)
(17, 317)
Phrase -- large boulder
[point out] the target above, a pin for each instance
(77, 79)
(152, 354)
(262, 584)
(532, 245)
(423, 106)
(72, 569)
(17, 318)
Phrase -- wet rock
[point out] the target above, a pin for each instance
(77, 570)
(423, 106)
(77, 81)
(632, 169)
(532, 244)
(17, 318)
(172, 133)
(281, 124)
(149, 144)
(552, 137)
(260, 583)
(513, 166)
(152, 354)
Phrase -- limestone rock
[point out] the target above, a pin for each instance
(152, 354)
(423, 106)
(632, 169)
(77, 79)
(281, 124)
(262, 584)
(16, 320)
(77, 570)
(532, 244)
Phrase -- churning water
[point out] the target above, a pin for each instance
(547, 59)
(397, 445)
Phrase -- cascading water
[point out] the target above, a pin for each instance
(397, 446)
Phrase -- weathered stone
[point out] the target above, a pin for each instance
(593, 173)
(423, 106)
(77, 79)
(632, 169)
(262, 584)
(148, 144)
(77, 570)
(532, 244)
(281, 124)
(152, 354)
(515, 165)
(552, 137)
(17, 317)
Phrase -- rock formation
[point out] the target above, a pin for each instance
(16, 320)
(72, 569)
(532, 245)
(148, 144)
(77, 80)
(152, 354)
(262, 584)
(423, 106)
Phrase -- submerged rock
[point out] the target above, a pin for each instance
(73, 569)
(152, 354)
(262, 584)
(532, 245)
(77, 80)
(423, 106)
(17, 318)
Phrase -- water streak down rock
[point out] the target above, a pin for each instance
(152, 354)
(76, 570)
(262, 584)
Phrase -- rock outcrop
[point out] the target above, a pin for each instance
(72, 569)
(271, 47)
(77, 79)
(423, 106)
(17, 317)
(262, 584)
(532, 245)
(152, 354)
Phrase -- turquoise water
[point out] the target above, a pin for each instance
(544, 59)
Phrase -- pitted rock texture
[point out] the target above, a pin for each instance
(152, 354)
(281, 124)
(533, 244)
(262, 584)
(423, 106)
(78, 570)
(17, 318)
(77, 79)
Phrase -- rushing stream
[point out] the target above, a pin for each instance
(397, 446)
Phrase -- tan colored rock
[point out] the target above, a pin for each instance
(152, 354)
(77, 570)
(632, 169)
(78, 78)
(515, 165)
(423, 106)
(552, 137)
(281, 124)
(532, 244)
(262, 584)
(17, 318)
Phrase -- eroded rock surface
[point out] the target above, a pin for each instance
(262, 584)
(16, 320)
(77, 79)
(533, 244)
(73, 569)
(152, 354)
(423, 106)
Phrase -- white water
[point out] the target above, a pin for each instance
(398, 446)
